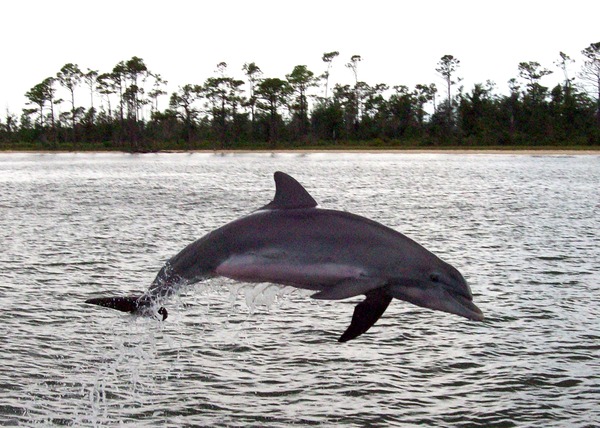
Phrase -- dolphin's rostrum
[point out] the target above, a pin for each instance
(335, 253)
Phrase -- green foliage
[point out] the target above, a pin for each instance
(272, 93)
(123, 111)
(301, 79)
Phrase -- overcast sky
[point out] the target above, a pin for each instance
(400, 42)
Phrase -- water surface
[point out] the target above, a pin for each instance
(524, 231)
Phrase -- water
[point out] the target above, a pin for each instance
(524, 231)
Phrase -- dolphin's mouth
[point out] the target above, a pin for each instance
(456, 300)
(464, 306)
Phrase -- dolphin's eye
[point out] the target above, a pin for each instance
(434, 277)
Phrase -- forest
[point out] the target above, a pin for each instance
(303, 110)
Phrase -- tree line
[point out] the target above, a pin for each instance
(302, 109)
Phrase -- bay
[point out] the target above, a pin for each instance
(523, 230)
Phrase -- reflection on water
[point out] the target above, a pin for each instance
(522, 229)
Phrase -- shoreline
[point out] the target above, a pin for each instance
(407, 151)
(458, 151)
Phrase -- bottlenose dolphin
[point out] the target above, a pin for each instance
(335, 253)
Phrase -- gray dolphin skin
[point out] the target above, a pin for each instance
(334, 253)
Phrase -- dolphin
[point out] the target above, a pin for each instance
(290, 241)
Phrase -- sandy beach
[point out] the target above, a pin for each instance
(549, 152)
(478, 151)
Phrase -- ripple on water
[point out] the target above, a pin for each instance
(522, 230)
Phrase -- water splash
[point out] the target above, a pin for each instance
(523, 230)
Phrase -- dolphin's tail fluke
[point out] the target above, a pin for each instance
(123, 304)
(131, 304)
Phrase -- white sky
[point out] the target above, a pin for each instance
(400, 41)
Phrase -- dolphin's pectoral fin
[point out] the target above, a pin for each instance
(349, 287)
(132, 304)
(366, 313)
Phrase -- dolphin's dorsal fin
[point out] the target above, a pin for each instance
(289, 194)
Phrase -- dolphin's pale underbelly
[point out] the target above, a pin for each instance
(312, 275)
